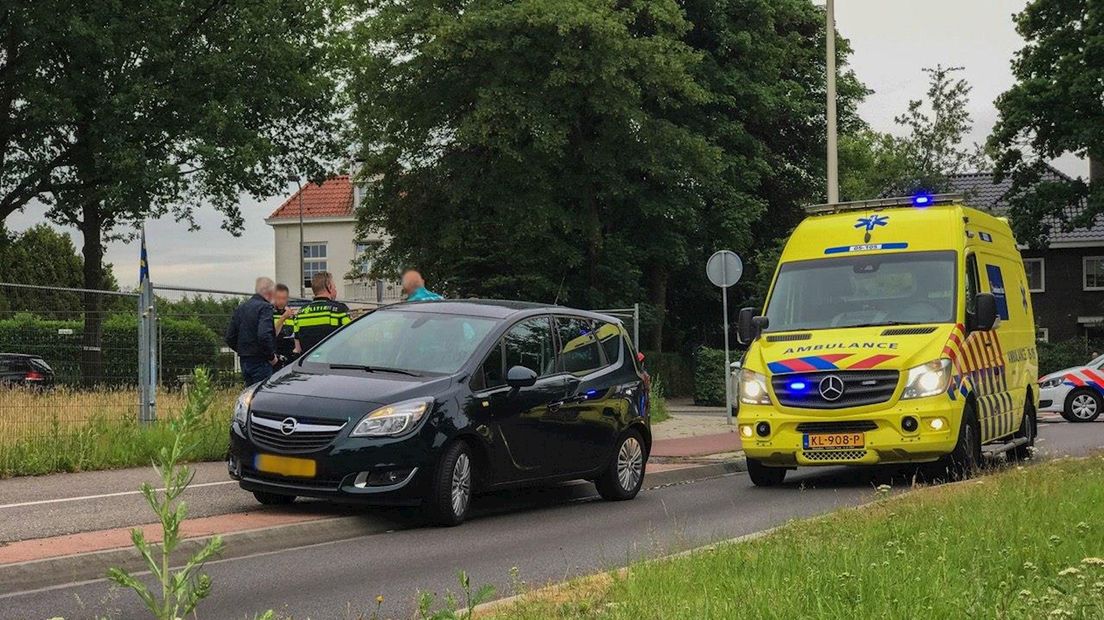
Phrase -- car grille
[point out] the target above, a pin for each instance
(835, 455)
(860, 387)
(310, 434)
(858, 426)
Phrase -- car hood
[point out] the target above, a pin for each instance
(855, 348)
(1061, 373)
(339, 396)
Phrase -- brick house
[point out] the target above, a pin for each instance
(1066, 279)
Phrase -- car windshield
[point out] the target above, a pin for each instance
(415, 342)
(886, 289)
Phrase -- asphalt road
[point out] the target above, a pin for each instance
(547, 534)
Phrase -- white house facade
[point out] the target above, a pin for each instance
(319, 223)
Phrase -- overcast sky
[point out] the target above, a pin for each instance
(893, 41)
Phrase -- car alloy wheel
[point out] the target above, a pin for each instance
(461, 484)
(1083, 406)
(630, 464)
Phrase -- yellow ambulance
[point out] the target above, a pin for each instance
(895, 331)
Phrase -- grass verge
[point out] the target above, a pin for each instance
(104, 437)
(1023, 543)
(657, 402)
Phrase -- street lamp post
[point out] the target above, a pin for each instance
(833, 156)
(302, 289)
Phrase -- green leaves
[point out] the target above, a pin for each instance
(182, 590)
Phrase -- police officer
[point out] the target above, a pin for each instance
(322, 316)
(283, 319)
(251, 333)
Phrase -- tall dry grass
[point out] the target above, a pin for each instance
(80, 430)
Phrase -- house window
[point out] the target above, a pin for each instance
(1035, 268)
(314, 261)
(363, 253)
(1094, 273)
(1042, 334)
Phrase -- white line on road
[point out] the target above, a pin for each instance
(103, 495)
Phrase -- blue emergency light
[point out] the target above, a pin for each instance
(921, 200)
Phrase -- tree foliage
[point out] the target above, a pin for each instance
(1055, 107)
(933, 146)
(591, 153)
(115, 112)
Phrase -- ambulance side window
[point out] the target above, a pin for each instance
(971, 289)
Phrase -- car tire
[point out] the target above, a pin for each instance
(450, 493)
(1082, 405)
(764, 476)
(624, 474)
(273, 499)
(965, 460)
(1029, 429)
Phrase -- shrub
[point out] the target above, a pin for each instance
(676, 370)
(1055, 356)
(709, 375)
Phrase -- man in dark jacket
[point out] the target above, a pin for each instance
(252, 333)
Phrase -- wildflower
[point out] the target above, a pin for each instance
(379, 600)
(1082, 527)
(1069, 571)
(1055, 540)
(1030, 566)
(1093, 561)
(1024, 593)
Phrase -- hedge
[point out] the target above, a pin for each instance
(709, 373)
(185, 344)
(675, 371)
(1055, 356)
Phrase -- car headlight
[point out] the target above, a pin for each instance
(928, 379)
(393, 419)
(241, 408)
(1053, 382)
(753, 388)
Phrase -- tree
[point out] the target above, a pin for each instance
(1055, 107)
(933, 148)
(116, 112)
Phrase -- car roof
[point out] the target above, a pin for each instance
(21, 355)
(491, 308)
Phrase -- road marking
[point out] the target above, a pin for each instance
(103, 495)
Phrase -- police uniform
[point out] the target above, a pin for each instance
(318, 319)
(285, 338)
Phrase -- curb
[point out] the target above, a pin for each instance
(83, 567)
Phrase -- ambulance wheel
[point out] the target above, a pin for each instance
(1082, 405)
(273, 499)
(1029, 429)
(764, 476)
(965, 459)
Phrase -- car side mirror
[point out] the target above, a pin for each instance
(985, 314)
(749, 326)
(520, 376)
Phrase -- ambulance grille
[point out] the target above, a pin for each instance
(835, 455)
(788, 337)
(860, 387)
(908, 331)
(857, 426)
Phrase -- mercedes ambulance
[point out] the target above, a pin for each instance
(895, 331)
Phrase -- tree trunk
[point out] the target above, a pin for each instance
(92, 371)
(657, 296)
(1096, 170)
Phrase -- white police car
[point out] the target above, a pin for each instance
(1077, 393)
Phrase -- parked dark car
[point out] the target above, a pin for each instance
(29, 371)
(428, 403)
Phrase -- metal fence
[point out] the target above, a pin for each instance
(73, 357)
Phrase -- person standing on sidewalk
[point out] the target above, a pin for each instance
(252, 333)
(413, 287)
(322, 316)
(283, 319)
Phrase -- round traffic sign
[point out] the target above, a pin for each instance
(724, 268)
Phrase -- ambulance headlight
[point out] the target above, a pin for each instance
(753, 388)
(928, 379)
(1053, 382)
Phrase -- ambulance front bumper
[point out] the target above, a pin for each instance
(909, 431)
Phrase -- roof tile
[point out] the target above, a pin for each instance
(333, 198)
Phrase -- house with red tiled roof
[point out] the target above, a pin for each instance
(318, 224)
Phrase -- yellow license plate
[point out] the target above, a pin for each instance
(834, 441)
(285, 465)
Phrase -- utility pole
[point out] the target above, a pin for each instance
(302, 287)
(833, 153)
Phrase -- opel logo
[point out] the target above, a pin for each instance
(831, 388)
(287, 427)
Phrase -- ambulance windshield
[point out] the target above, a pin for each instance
(854, 291)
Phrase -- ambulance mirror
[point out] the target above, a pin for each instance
(985, 311)
(747, 329)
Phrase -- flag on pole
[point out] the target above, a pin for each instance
(143, 262)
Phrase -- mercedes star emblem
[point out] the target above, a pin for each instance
(287, 427)
(831, 388)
